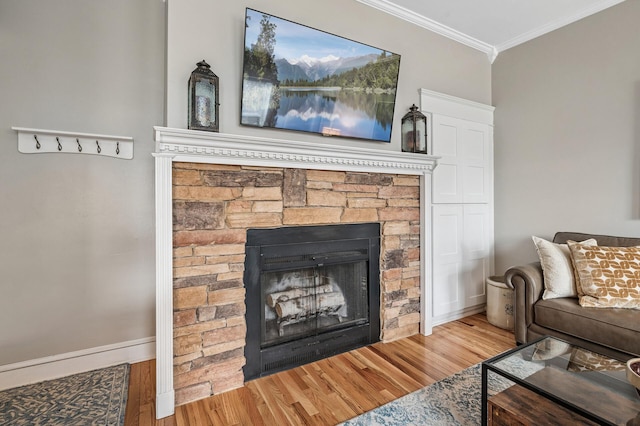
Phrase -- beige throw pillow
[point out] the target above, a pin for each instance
(609, 276)
(557, 269)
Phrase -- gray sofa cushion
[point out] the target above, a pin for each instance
(603, 240)
(616, 328)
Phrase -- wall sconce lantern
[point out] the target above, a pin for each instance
(414, 131)
(203, 99)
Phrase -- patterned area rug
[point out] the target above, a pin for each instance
(96, 397)
(452, 401)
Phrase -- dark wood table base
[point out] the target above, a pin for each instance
(519, 406)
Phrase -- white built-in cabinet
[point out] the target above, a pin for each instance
(464, 169)
(462, 204)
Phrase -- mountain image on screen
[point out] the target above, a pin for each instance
(313, 69)
(299, 78)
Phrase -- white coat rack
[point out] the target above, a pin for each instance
(37, 141)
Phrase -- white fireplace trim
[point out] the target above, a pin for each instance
(181, 145)
(220, 148)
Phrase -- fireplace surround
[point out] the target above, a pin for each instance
(191, 147)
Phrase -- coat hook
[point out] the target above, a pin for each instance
(118, 148)
(79, 146)
(99, 149)
(59, 145)
(37, 141)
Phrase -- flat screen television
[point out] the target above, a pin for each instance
(299, 78)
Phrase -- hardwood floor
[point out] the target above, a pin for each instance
(332, 390)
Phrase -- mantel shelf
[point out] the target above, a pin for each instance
(222, 148)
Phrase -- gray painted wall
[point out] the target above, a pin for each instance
(567, 134)
(77, 233)
(427, 59)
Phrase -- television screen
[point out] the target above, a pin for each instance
(299, 78)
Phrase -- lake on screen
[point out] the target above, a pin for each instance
(336, 112)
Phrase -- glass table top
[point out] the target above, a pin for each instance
(588, 382)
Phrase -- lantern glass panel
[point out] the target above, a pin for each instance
(421, 134)
(408, 144)
(205, 111)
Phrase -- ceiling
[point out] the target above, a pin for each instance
(491, 26)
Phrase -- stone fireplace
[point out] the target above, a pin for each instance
(213, 189)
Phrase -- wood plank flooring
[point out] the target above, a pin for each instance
(332, 390)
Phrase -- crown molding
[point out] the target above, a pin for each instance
(491, 51)
(431, 25)
(558, 23)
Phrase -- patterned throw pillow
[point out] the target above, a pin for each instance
(609, 276)
(584, 360)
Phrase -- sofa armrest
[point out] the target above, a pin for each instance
(527, 283)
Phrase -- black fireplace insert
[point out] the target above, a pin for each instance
(311, 292)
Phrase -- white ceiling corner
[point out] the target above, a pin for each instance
(395, 9)
(491, 26)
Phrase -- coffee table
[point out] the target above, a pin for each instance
(585, 382)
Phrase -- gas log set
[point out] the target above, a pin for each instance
(313, 297)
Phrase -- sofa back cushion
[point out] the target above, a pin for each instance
(603, 240)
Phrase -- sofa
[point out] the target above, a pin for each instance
(611, 331)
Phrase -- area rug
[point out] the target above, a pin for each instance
(96, 397)
(452, 401)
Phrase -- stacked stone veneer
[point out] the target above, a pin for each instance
(213, 207)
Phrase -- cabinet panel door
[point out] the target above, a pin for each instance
(474, 273)
(447, 258)
(462, 239)
(476, 252)
(464, 171)
(475, 160)
(447, 182)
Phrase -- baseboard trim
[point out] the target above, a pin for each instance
(53, 367)
(442, 319)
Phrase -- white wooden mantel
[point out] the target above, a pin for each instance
(181, 145)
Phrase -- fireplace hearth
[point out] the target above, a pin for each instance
(311, 292)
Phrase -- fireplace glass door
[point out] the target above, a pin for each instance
(308, 301)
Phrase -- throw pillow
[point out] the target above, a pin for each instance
(557, 268)
(609, 276)
(548, 349)
(582, 360)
